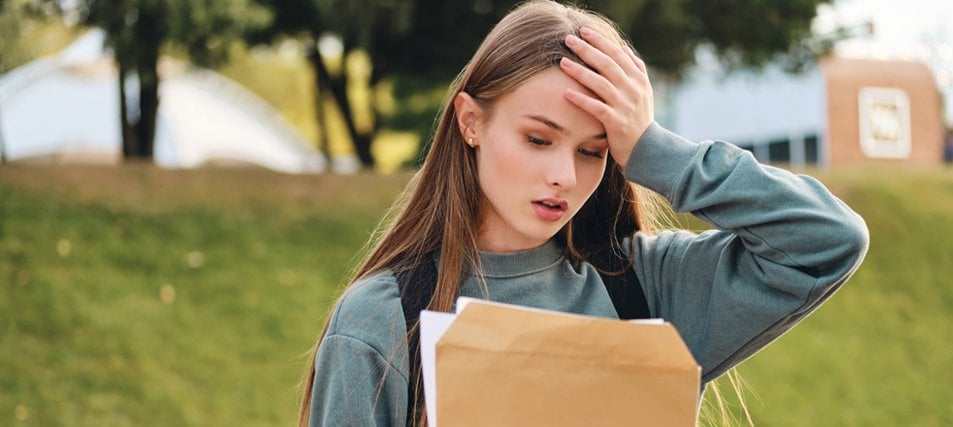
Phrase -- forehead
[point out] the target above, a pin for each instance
(544, 95)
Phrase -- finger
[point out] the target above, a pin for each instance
(642, 76)
(639, 63)
(592, 80)
(611, 49)
(619, 151)
(593, 106)
(597, 59)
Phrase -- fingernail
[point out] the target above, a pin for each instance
(565, 62)
(571, 40)
(585, 32)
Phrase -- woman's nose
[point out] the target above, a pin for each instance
(562, 172)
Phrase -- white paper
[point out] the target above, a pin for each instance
(651, 321)
(463, 301)
(432, 326)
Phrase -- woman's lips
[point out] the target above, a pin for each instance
(550, 209)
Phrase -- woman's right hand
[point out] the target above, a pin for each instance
(618, 78)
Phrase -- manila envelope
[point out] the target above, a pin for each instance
(504, 365)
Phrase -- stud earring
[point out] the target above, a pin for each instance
(470, 142)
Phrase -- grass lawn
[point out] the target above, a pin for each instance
(139, 296)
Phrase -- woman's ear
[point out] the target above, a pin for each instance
(469, 115)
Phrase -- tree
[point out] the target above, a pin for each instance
(23, 38)
(10, 27)
(137, 31)
(397, 35)
(359, 24)
(743, 33)
(423, 43)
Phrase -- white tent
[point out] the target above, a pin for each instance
(67, 107)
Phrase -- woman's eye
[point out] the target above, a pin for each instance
(537, 141)
(590, 153)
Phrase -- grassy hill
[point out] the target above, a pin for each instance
(141, 296)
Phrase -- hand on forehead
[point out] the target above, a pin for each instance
(618, 79)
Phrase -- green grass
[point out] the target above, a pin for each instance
(252, 257)
(139, 296)
(879, 352)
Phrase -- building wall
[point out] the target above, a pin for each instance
(748, 108)
(878, 85)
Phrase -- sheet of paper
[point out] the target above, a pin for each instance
(652, 321)
(463, 301)
(432, 326)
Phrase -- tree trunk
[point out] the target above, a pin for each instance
(376, 77)
(3, 149)
(129, 140)
(148, 110)
(148, 35)
(338, 87)
(323, 143)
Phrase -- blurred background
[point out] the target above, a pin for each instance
(184, 186)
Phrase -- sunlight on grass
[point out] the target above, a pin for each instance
(284, 79)
(394, 149)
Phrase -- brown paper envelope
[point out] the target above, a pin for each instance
(506, 365)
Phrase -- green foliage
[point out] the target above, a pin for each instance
(743, 33)
(208, 28)
(140, 296)
(205, 28)
(364, 23)
(23, 38)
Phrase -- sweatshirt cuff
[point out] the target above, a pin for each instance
(660, 159)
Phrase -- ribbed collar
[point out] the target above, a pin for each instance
(521, 263)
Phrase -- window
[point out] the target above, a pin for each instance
(779, 151)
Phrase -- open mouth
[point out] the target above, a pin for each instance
(550, 209)
(552, 204)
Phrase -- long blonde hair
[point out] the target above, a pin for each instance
(527, 41)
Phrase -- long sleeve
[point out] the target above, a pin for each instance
(782, 245)
(361, 364)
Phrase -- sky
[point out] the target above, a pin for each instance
(919, 30)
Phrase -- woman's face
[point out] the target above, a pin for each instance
(539, 158)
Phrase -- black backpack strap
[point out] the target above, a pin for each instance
(624, 289)
(416, 288)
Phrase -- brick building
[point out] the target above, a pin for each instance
(842, 112)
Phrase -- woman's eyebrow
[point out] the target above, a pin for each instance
(552, 125)
(555, 126)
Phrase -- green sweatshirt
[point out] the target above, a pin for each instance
(782, 244)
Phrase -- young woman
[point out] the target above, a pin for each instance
(536, 172)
